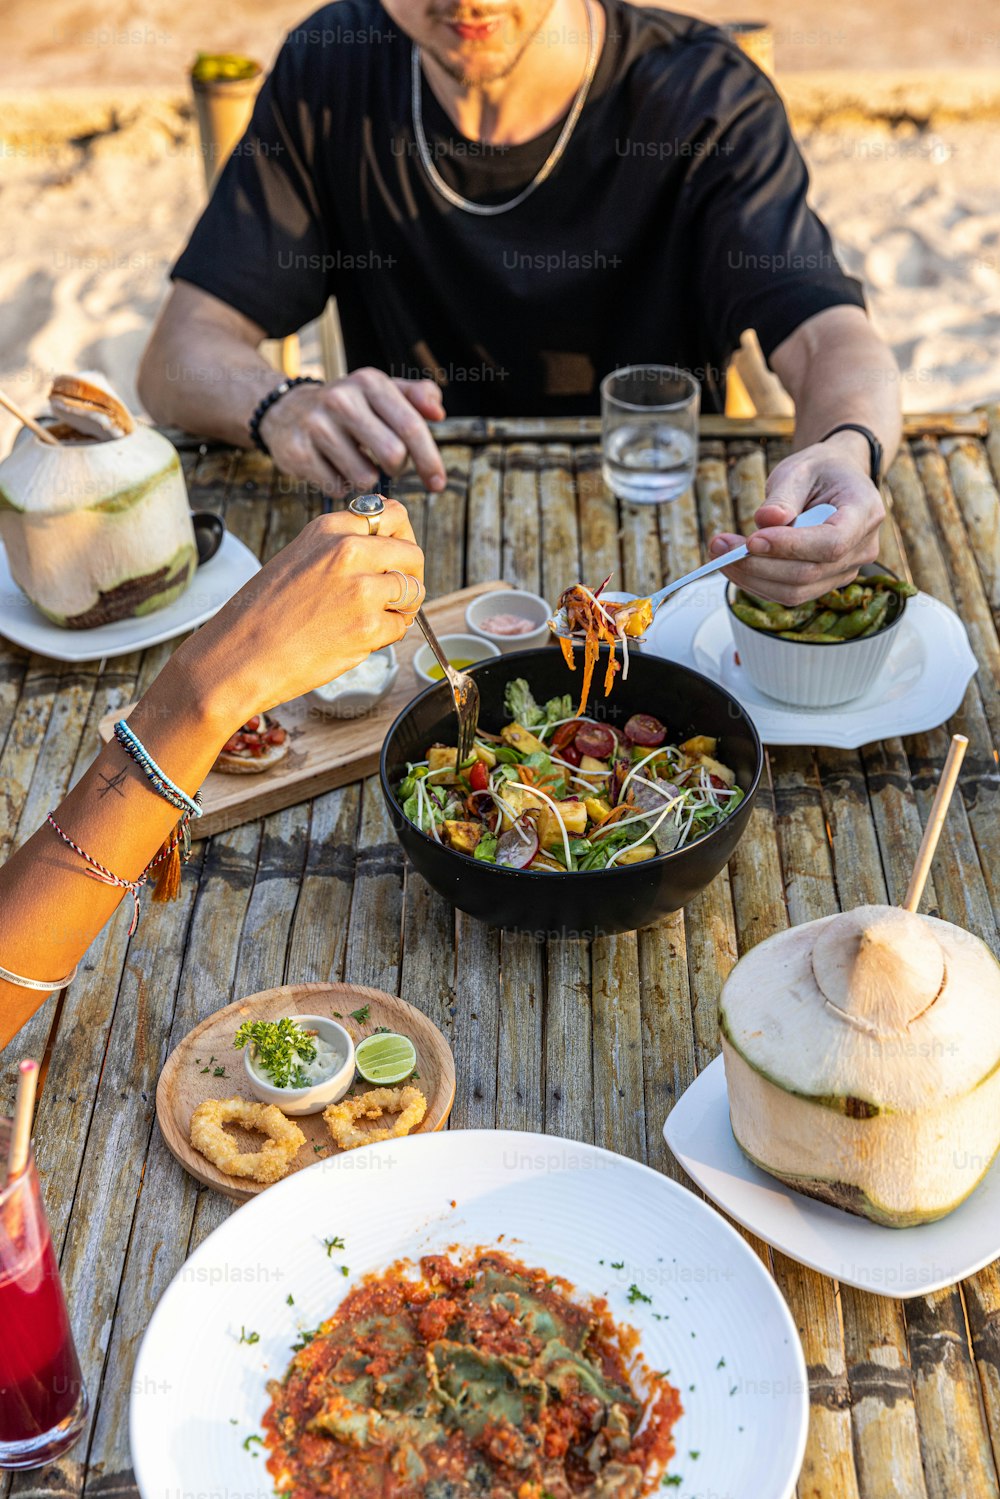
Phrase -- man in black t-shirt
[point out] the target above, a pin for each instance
(509, 198)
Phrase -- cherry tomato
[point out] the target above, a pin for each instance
(479, 776)
(645, 730)
(595, 740)
(564, 735)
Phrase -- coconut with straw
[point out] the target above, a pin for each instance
(862, 1054)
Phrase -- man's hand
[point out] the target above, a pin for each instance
(792, 565)
(330, 434)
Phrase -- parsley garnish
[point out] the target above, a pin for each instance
(279, 1048)
(345, 1270)
(694, 1456)
(250, 1439)
(289, 1299)
(331, 1244)
(361, 1015)
(616, 1264)
(305, 1338)
(219, 1072)
(249, 1337)
(381, 1030)
(634, 1295)
(721, 1364)
(672, 1480)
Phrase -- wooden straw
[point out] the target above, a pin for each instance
(932, 832)
(28, 421)
(24, 1107)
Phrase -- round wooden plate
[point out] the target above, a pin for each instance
(188, 1076)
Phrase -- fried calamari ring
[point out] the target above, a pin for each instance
(354, 1121)
(268, 1164)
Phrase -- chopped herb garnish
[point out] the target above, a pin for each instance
(279, 1048)
(415, 1075)
(361, 1015)
(345, 1270)
(694, 1456)
(672, 1481)
(249, 1337)
(616, 1264)
(319, 1149)
(250, 1440)
(381, 1030)
(468, 1284)
(332, 1244)
(204, 1069)
(721, 1364)
(289, 1299)
(305, 1338)
(634, 1295)
(337, 1015)
(218, 1072)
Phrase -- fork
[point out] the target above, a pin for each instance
(814, 516)
(463, 690)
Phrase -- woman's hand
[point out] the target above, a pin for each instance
(792, 565)
(329, 434)
(317, 609)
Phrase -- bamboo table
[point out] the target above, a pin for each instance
(593, 1041)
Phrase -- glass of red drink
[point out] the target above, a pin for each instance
(43, 1402)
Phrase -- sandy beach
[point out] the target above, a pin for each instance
(98, 191)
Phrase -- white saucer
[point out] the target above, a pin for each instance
(898, 1262)
(213, 585)
(921, 684)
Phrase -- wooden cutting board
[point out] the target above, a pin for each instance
(325, 752)
(188, 1076)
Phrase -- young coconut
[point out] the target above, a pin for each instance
(862, 1056)
(97, 530)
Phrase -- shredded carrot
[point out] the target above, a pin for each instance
(526, 774)
(613, 816)
(566, 646)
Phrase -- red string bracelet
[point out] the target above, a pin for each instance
(97, 871)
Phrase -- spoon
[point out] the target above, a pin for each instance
(812, 517)
(209, 530)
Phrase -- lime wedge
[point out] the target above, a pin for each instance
(386, 1059)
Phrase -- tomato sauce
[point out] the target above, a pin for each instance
(481, 1378)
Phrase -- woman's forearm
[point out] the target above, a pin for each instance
(48, 921)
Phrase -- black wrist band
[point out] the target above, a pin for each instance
(264, 406)
(874, 447)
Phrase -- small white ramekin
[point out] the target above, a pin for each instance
(354, 702)
(471, 648)
(812, 676)
(298, 1101)
(511, 601)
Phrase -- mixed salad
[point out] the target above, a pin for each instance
(556, 791)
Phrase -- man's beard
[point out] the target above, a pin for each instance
(502, 69)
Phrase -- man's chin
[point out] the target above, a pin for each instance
(474, 67)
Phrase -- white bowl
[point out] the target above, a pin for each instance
(511, 601)
(352, 701)
(298, 1101)
(471, 648)
(812, 676)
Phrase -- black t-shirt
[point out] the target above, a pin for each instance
(676, 219)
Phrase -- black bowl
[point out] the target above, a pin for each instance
(605, 900)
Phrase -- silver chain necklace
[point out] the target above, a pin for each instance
(488, 210)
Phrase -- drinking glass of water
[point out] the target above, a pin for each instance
(649, 432)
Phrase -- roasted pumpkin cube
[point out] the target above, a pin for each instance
(442, 757)
(637, 855)
(715, 768)
(574, 815)
(519, 798)
(462, 836)
(587, 762)
(639, 618)
(521, 739)
(701, 744)
(597, 808)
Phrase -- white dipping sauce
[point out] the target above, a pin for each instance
(368, 676)
(329, 1059)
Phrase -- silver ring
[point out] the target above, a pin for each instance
(404, 607)
(368, 507)
(404, 587)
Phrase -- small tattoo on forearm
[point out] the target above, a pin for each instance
(112, 783)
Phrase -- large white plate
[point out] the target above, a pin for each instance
(213, 585)
(726, 1335)
(921, 684)
(898, 1262)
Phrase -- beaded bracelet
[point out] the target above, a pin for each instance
(160, 782)
(98, 871)
(264, 406)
